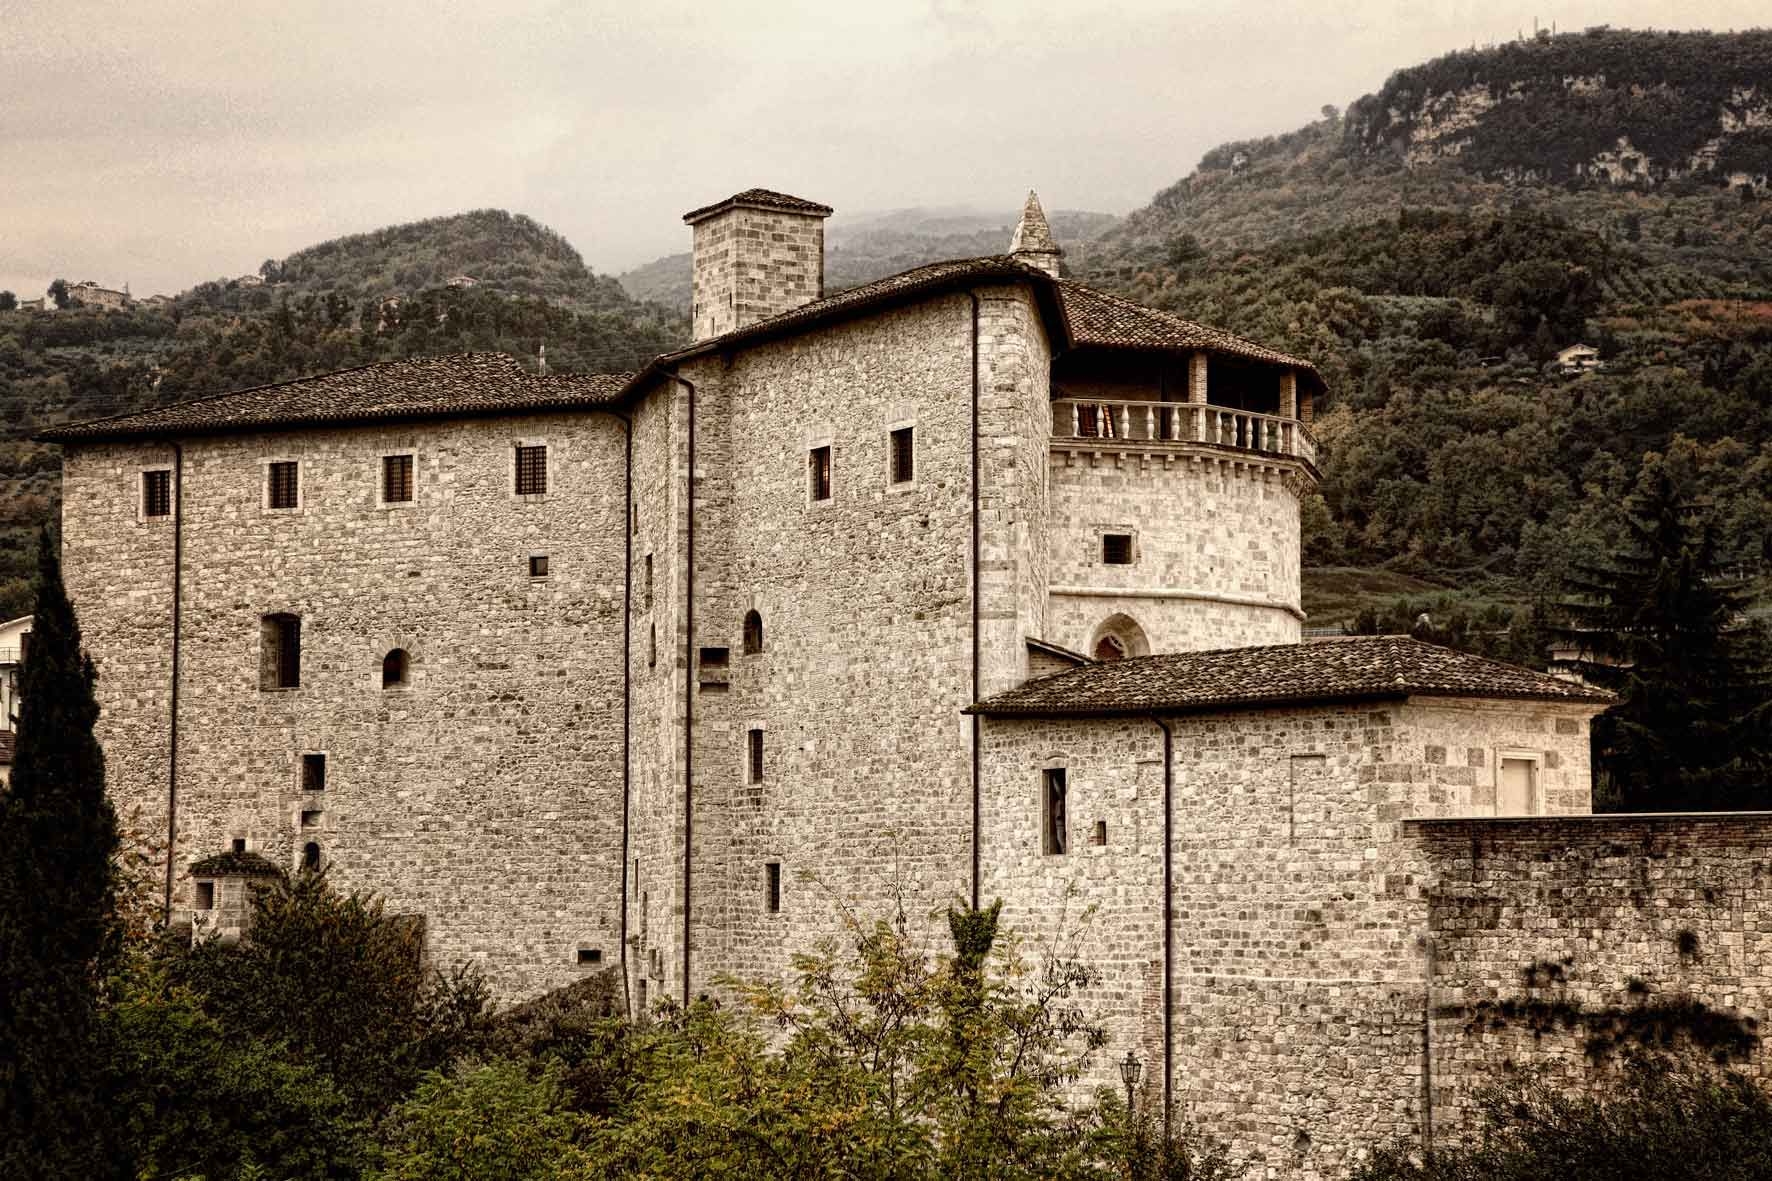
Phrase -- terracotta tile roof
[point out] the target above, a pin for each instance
(761, 198)
(8, 746)
(1351, 669)
(1098, 318)
(431, 387)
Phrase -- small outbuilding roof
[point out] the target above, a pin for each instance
(1354, 668)
(430, 387)
(1107, 321)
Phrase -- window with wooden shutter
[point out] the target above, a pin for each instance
(284, 489)
(157, 494)
(903, 456)
(532, 470)
(396, 478)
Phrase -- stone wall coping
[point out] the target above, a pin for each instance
(1410, 822)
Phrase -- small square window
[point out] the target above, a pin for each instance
(313, 772)
(1116, 549)
(239, 845)
(590, 955)
(157, 494)
(283, 490)
(903, 456)
(532, 470)
(396, 478)
(772, 886)
(311, 819)
(819, 469)
(538, 565)
(204, 896)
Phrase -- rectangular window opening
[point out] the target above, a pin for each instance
(652, 647)
(239, 845)
(646, 586)
(205, 896)
(280, 652)
(772, 883)
(396, 478)
(538, 565)
(903, 456)
(311, 819)
(532, 470)
(590, 955)
(754, 759)
(157, 494)
(1116, 549)
(284, 485)
(715, 657)
(1099, 837)
(1054, 837)
(313, 772)
(819, 468)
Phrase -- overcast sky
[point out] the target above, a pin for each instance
(164, 142)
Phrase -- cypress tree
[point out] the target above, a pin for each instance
(57, 917)
(1662, 628)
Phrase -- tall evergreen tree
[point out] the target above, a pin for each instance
(57, 919)
(1663, 628)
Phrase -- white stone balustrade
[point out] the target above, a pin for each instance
(1181, 422)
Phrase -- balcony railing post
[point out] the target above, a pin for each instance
(1076, 432)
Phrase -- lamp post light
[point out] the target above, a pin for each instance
(1130, 1069)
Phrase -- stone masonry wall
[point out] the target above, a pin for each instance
(486, 793)
(1299, 907)
(753, 263)
(1215, 545)
(1563, 943)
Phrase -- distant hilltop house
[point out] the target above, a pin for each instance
(1579, 358)
(461, 281)
(14, 638)
(251, 280)
(974, 582)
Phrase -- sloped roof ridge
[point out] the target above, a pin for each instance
(1212, 337)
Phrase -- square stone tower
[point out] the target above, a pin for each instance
(757, 254)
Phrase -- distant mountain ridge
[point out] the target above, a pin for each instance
(872, 246)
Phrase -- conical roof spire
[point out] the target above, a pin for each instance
(1033, 242)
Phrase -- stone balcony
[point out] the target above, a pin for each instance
(1182, 424)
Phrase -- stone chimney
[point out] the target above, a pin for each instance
(757, 254)
(1033, 242)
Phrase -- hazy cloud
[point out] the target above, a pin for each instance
(165, 143)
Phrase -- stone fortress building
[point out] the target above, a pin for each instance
(969, 583)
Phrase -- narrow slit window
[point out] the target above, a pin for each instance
(280, 652)
(652, 647)
(157, 494)
(1055, 839)
(819, 469)
(904, 455)
(313, 772)
(284, 488)
(646, 586)
(1116, 549)
(753, 633)
(532, 470)
(772, 886)
(754, 755)
(396, 478)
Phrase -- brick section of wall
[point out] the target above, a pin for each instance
(753, 263)
(487, 793)
(1554, 937)
(1215, 541)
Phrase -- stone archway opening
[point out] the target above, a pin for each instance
(1118, 637)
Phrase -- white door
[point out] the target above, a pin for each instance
(1515, 795)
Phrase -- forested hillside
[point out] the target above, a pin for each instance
(359, 299)
(1434, 289)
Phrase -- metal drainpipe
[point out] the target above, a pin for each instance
(178, 562)
(1168, 920)
(977, 592)
(688, 688)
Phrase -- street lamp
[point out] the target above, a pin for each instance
(1130, 1069)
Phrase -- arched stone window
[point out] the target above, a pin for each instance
(310, 857)
(1118, 637)
(394, 669)
(753, 633)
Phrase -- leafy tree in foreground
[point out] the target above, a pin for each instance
(485, 1120)
(1665, 630)
(1662, 1123)
(57, 923)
